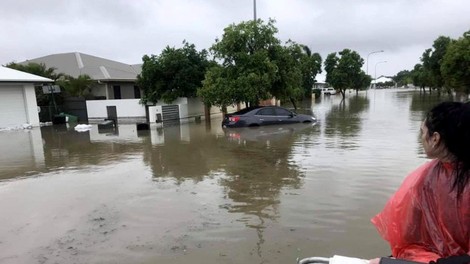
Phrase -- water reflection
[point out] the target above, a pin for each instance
(344, 122)
(66, 148)
(196, 192)
(256, 163)
(255, 190)
(21, 153)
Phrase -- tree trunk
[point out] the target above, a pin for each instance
(224, 111)
(207, 113)
(293, 103)
(343, 93)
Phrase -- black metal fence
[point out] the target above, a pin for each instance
(72, 106)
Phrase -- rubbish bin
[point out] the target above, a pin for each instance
(159, 118)
(58, 119)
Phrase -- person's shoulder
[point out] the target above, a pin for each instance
(417, 175)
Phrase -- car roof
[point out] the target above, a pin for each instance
(246, 110)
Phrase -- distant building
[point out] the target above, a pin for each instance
(115, 80)
(320, 82)
(383, 82)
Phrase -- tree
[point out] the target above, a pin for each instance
(344, 71)
(287, 84)
(403, 78)
(36, 69)
(39, 69)
(419, 76)
(79, 87)
(455, 65)
(172, 74)
(310, 66)
(432, 59)
(247, 68)
(217, 88)
(361, 81)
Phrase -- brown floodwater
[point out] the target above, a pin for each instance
(195, 193)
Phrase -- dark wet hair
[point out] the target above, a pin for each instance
(452, 121)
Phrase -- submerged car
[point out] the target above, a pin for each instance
(264, 115)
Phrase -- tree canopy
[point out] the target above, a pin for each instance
(39, 69)
(176, 72)
(79, 87)
(247, 67)
(343, 70)
(455, 65)
(310, 66)
(255, 66)
(445, 65)
(403, 78)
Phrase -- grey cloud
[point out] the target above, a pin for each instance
(124, 30)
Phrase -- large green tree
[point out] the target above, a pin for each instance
(432, 60)
(420, 77)
(176, 72)
(455, 65)
(247, 68)
(343, 71)
(287, 84)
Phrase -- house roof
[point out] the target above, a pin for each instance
(11, 75)
(75, 64)
(382, 79)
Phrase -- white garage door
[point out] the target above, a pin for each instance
(12, 106)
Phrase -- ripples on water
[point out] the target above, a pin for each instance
(197, 193)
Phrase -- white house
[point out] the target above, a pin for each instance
(382, 79)
(116, 89)
(115, 80)
(18, 99)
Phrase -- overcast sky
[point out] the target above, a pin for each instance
(125, 30)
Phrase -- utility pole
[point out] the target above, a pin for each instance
(254, 10)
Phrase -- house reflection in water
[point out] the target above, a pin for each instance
(22, 152)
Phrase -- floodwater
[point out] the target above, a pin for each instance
(194, 193)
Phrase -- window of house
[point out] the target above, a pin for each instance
(117, 92)
(136, 91)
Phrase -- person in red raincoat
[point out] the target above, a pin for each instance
(429, 216)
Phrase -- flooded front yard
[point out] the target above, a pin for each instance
(195, 193)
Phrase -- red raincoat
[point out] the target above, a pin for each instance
(424, 220)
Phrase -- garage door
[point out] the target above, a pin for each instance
(12, 106)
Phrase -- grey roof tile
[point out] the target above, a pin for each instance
(75, 64)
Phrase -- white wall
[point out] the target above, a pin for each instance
(24, 112)
(127, 108)
(31, 105)
(182, 103)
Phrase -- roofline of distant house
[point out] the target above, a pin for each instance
(25, 81)
(116, 80)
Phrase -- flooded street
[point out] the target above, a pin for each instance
(194, 193)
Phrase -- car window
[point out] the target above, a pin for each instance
(266, 112)
(283, 112)
(245, 110)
